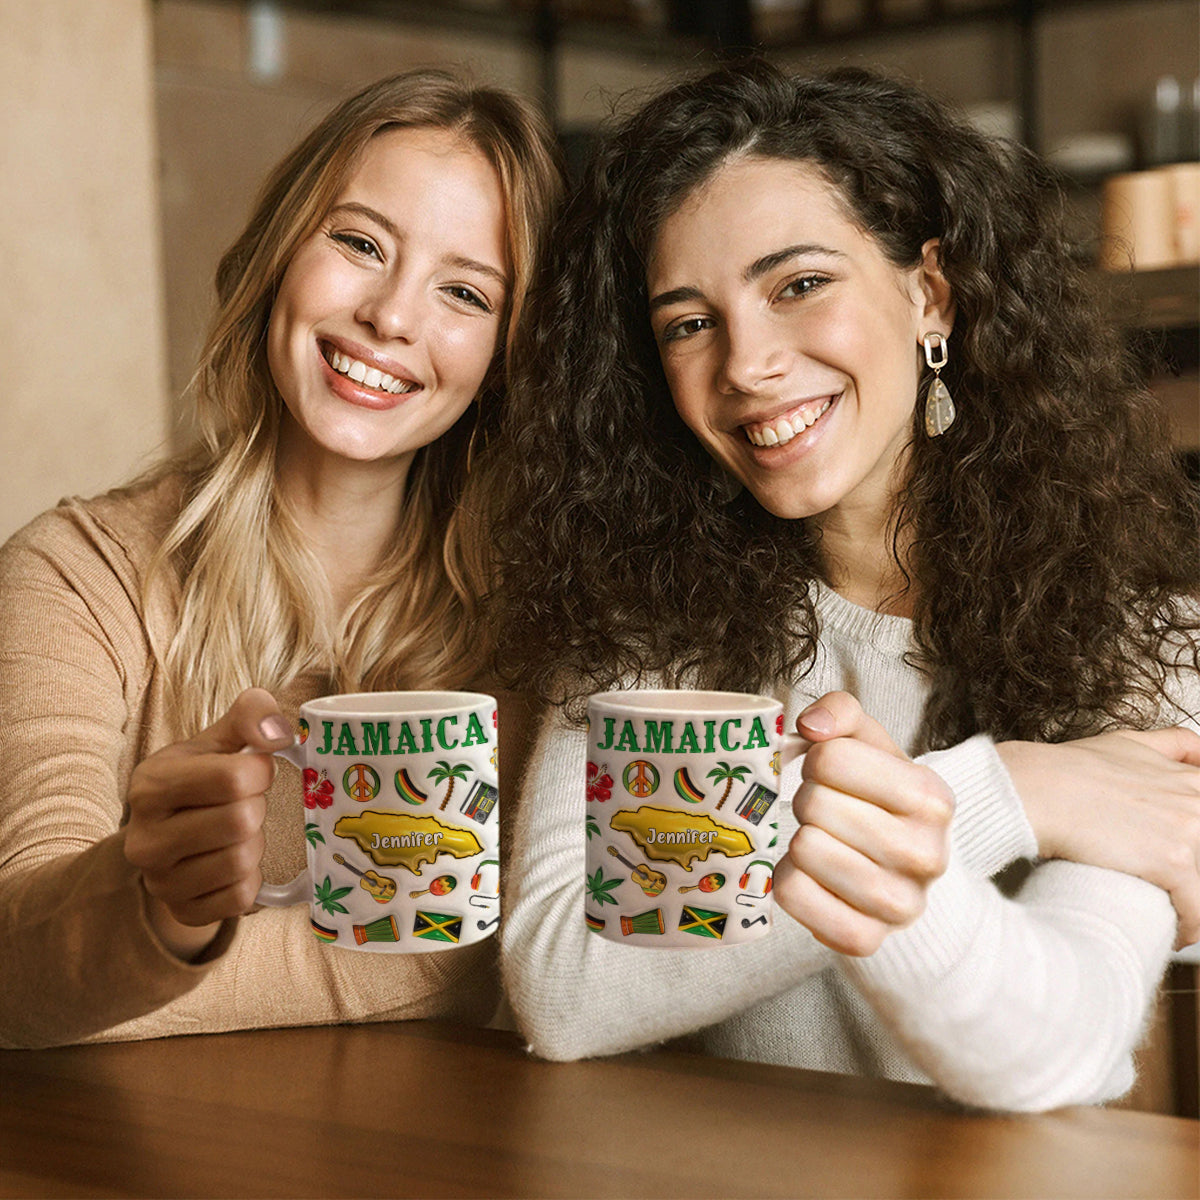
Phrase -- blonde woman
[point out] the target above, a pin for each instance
(319, 538)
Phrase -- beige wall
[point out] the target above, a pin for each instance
(81, 306)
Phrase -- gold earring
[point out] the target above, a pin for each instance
(939, 407)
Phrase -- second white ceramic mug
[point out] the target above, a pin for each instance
(681, 793)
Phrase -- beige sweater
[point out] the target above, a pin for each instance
(81, 703)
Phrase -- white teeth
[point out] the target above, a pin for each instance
(369, 376)
(781, 431)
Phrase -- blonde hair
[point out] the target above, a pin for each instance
(254, 606)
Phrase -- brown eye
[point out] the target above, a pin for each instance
(358, 244)
(803, 286)
(468, 296)
(688, 327)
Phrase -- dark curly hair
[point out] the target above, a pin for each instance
(1053, 560)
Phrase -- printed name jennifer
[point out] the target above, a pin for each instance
(683, 835)
(400, 840)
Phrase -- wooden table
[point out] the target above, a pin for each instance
(421, 1109)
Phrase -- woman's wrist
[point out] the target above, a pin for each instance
(1023, 762)
(186, 942)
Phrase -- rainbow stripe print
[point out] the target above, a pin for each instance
(685, 788)
(409, 790)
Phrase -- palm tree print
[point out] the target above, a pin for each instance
(444, 771)
(723, 772)
(313, 833)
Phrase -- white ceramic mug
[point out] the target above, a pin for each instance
(681, 794)
(400, 794)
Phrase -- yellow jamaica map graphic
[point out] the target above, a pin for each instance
(666, 835)
(395, 839)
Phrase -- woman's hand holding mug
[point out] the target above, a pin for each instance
(874, 831)
(196, 811)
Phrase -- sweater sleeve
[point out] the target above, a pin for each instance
(990, 828)
(80, 954)
(1024, 1004)
(574, 994)
(1035, 1002)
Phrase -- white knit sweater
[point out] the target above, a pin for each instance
(1024, 1004)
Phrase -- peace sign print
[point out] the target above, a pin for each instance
(640, 778)
(361, 783)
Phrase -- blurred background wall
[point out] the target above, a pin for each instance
(83, 394)
(136, 133)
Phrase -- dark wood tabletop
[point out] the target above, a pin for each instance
(425, 1109)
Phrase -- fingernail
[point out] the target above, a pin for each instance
(818, 719)
(275, 728)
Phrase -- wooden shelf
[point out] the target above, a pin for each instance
(551, 25)
(1161, 311)
(1165, 299)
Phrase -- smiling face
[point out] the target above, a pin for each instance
(789, 340)
(387, 317)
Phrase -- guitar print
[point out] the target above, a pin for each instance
(651, 882)
(382, 887)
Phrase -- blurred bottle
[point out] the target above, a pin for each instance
(1191, 125)
(1169, 125)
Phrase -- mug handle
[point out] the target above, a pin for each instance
(298, 890)
(792, 746)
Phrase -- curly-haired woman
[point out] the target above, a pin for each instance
(319, 539)
(817, 404)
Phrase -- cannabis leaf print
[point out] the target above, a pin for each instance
(598, 887)
(328, 897)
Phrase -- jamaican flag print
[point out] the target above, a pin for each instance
(703, 922)
(437, 927)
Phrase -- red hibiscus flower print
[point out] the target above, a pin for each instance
(599, 783)
(318, 791)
